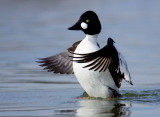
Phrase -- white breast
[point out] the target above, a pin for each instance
(93, 82)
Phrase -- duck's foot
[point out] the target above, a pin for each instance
(114, 93)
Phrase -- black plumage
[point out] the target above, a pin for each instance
(103, 59)
(60, 63)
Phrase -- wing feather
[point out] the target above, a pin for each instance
(60, 63)
(106, 58)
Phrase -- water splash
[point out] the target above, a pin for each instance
(147, 96)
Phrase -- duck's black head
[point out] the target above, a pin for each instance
(88, 23)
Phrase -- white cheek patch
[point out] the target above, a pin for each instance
(84, 25)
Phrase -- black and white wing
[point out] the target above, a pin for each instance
(106, 58)
(60, 63)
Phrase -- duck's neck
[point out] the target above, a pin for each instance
(88, 44)
(91, 38)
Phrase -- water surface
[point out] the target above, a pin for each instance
(34, 29)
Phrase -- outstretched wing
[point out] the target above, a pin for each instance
(106, 58)
(60, 63)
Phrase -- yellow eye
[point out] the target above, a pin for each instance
(87, 20)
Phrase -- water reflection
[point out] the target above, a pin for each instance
(31, 29)
(101, 108)
(121, 107)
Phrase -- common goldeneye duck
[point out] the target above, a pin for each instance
(99, 71)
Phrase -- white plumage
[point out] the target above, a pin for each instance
(95, 83)
(99, 71)
(84, 25)
(123, 65)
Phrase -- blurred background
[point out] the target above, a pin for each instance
(31, 29)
